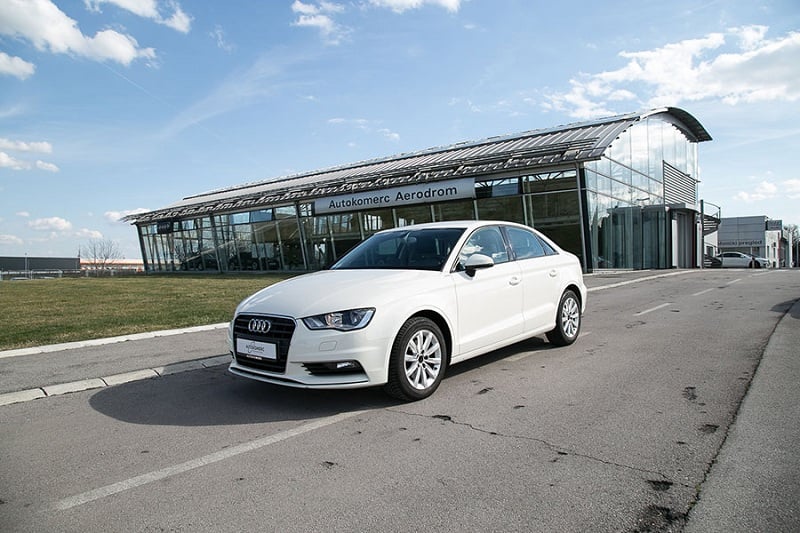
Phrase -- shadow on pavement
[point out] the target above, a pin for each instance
(214, 397)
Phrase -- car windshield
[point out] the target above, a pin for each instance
(421, 249)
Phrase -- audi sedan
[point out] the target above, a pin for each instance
(742, 260)
(405, 304)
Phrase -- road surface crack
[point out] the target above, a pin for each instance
(560, 450)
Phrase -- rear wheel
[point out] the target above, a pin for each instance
(568, 320)
(418, 360)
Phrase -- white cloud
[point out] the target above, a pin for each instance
(6, 161)
(48, 167)
(8, 240)
(117, 216)
(740, 65)
(50, 224)
(23, 214)
(319, 16)
(791, 188)
(366, 126)
(46, 27)
(175, 18)
(219, 37)
(22, 146)
(85, 233)
(399, 6)
(15, 66)
(764, 190)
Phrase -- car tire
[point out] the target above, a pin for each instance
(418, 360)
(568, 320)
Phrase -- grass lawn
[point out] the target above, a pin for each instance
(50, 311)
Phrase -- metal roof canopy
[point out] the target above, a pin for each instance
(578, 142)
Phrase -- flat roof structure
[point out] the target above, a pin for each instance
(573, 143)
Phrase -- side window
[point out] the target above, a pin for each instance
(486, 241)
(548, 250)
(526, 245)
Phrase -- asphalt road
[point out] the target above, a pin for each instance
(676, 409)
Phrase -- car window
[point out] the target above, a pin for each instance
(425, 249)
(525, 244)
(486, 241)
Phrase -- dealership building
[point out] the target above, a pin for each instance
(757, 235)
(619, 192)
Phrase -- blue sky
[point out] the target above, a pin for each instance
(113, 106)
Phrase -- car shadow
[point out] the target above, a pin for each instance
(212, 396)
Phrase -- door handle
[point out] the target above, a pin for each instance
(515, 280)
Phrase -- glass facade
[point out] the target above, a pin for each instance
(610, 212)
(292, 238)
(629, 225)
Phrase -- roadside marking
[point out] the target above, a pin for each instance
(734, 281)
(656, 308)
(703, 292)
(144, 479)
(637, 280)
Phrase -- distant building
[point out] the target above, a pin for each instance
(135, 265)
(756, 235)
(619, 192)
(25, 264)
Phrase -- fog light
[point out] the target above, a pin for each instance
(346, 365)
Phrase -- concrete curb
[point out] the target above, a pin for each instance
(110, 340)
(110, 381)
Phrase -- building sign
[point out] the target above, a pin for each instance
(422, 193)
(741, 242)
(774, 225)
(164, 227)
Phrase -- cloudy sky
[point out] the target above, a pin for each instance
(112, 106)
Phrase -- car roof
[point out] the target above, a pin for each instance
(460, 224)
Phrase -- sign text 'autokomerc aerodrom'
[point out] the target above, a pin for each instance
(411, 194)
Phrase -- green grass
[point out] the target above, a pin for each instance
(50, 311)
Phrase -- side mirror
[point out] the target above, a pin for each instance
(477, 262)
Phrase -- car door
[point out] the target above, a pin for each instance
(489, 300)
(540, 268)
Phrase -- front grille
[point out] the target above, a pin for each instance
(280, 334)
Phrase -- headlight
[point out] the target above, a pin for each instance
(341, 320)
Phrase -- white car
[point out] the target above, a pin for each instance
(742, 260)
(405, 304)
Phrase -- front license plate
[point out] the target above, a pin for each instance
(256, 349)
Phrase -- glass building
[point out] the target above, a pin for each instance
(619, 192)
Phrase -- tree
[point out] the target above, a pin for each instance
(794, 231)
(99, 253)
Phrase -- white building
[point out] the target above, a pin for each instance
(757, 235)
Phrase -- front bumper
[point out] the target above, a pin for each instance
(325, 359)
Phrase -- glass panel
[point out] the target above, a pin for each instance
(508, 209)
(495, 188)
(458, 210)
(414, 214)
(550, 181)
(376, 220)
(557, 215)
(639, 151)
(654, 149)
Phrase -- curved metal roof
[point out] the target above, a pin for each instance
(577, 142)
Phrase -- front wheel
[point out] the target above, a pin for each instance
(418, 360)
(568, 320)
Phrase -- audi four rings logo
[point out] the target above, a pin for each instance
(259, 325)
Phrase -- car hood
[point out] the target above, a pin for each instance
(338, 290)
